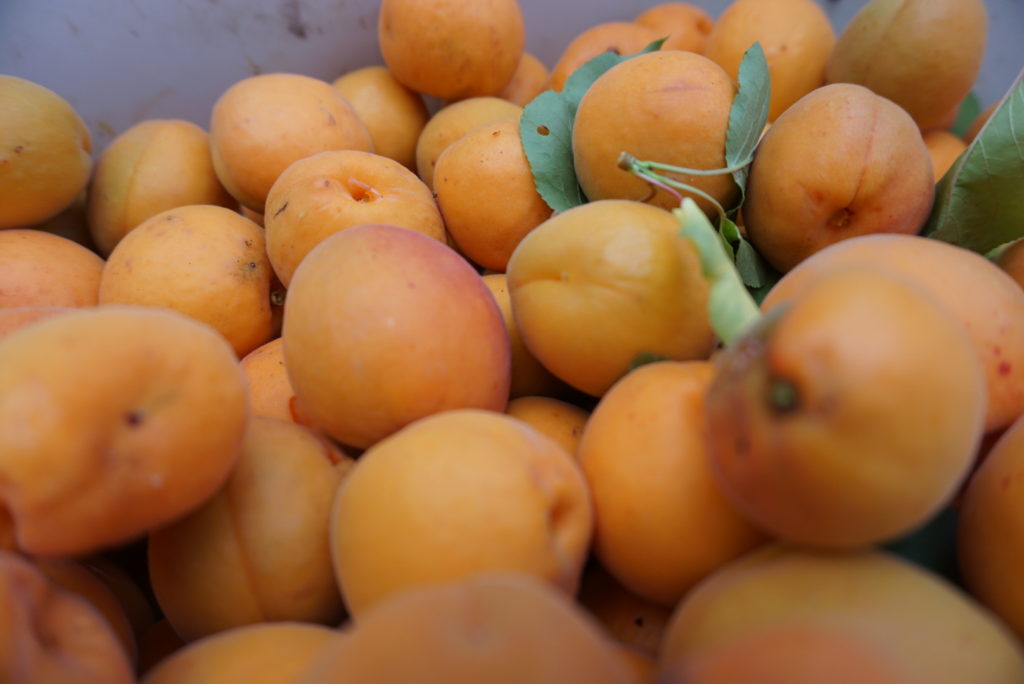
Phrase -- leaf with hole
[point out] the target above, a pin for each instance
(545, 129)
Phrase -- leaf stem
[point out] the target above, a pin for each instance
(658, 166)
(628, 162)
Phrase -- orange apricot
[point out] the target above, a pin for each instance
(113, 421)
(260, 125)
(620, 37)
(557, 419)
(153, 166)
(529, 80)
(486, 193)
(453, 495)
(662, 521)
(270, 391)
(42, 269)
(944, 148)
(204, 261)
(393, 114)
(686, 25)
(452, 50)
(328, 192)
(385, 325)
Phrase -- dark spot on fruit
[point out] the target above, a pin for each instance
(252, 265)
(133, 418)
(495, 133)
(283, 207)
(840, 219)
(638, 621)
(783, 396)
(1005, 368)
(248, 243)
(277, 297)
(543, 130)
(18, 149)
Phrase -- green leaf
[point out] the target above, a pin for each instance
(749, 112)
(730, 307)
(753, 269)
(969, 110)
(644, 358)
(979, 203)
(545, 128)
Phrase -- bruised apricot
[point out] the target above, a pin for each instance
(113, 421)
(839, 163)
(849, 416)
(385, 325)
(597, 285)
(454, 495)
(935, 632)
(988, 304)
(678, 114)
(932, 64)
(499, 627)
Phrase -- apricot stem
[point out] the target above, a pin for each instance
(731, 309)
(628, 162)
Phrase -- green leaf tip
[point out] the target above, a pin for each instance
(731, 309)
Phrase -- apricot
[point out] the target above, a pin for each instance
(206, 262)
(17, 317)
(393, 115)
(257, 551)
(796, 37)
(840, 163)
(454, 495)
(944, 148)
(45, 158)
(326, 193)
(929, 69)
(678, 114)
(594, 286)
(260, 125)
(989, 537)
(256, 654)
(830, 424)
(452, 50)
(559, 420)
(987, 302)
(384, 326)
(153, 166)
(979, 122)
(529, 80)
(933, 631)
(50, 635)
(528, 375)
(500, 628)
(41, 269)
(270, 391)
(77, 579)
(686, 25)
(451, 123)
(632, 621)
(486, 193)
(113, 421)
(619, 37)
(793, 655)
(662, 522)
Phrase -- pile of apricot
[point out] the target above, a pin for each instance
(327, 391)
